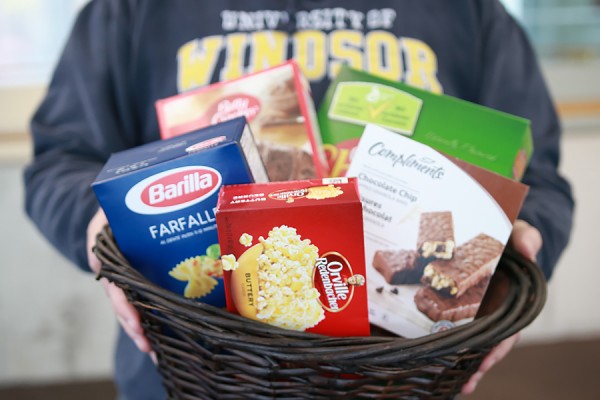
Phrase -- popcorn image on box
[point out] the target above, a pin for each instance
(293, 255)
(479, 135)
(160, 200)
(278, 106)
(435, 228)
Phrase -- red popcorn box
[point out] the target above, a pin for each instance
(293, 254)
(278, 107)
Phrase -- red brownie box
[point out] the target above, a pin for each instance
(293, 254)
(278, 107)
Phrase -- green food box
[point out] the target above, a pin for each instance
(488, 138)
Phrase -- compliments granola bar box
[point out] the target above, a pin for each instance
(160, 200)
(435, 228)
(293, 255)
(278, 106)
(479, 135)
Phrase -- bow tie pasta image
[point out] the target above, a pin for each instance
(200, 273)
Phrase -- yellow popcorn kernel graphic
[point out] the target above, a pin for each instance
(229, 262)
(286, 295)
(323, 192)
(246, 239)
(356, 280)
(274, 281)
(199, 273)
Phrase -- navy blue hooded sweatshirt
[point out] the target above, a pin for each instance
(123, 55)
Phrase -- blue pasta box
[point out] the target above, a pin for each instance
(160, 200)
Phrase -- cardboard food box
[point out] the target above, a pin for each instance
(278, 106)
(160, 201)
(293, 255)
(490, 139)
(435, 228)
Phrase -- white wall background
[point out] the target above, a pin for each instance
(571, 310)
(55, 323)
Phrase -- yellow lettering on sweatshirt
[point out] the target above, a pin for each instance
(421, 65)
(384, 55)
(234, 64)
(318, 54)
(310, 52)
(345, 48)
(196, 62)
(269, 48)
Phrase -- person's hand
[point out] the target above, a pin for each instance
(527, 240)
(127, 315)
(497, 354)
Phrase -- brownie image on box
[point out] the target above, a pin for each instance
(435, 242)
(439, 307)
(286, 162)
(281, 103)
(473, 261)
(436, 235)
(399, 266)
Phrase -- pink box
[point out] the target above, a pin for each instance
(278, 107)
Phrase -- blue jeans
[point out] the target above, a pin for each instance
(135, 375)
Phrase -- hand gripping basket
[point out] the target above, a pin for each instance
(205, 352)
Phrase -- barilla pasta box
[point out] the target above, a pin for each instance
(293, 255)
(435, 229)
(160, 200)
(277, 104)
(479, 135)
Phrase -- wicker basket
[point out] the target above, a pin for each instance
(205, 352)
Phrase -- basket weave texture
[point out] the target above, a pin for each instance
(205, 352)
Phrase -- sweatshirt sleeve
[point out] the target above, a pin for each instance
(84, 117)
(511, 81)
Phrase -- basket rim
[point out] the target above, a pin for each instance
(524, 301)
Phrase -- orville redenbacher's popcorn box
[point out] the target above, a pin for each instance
(293, 254)
(490, 139)
(435, 228)
(160, 201)
(278, 106)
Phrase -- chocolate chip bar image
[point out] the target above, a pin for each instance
(473, 261)
(398, 266)
(438, 307)
(436, 235)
